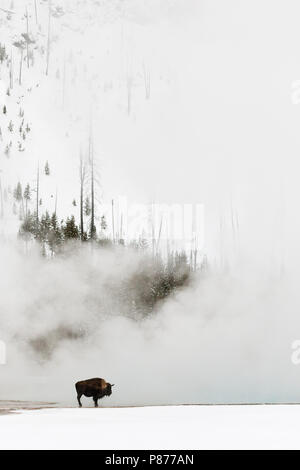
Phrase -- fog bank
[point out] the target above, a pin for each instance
(225, 338)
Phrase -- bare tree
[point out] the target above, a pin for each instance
(129, 84)
(64, 84)
(82, 173)
(55, 207)
(1, 200)
(49, 33)
(36, 13)
(113, 218)
(11, 72)
(27, 41)
(91, 160)
(21, 66)
(37, 194)
(9, 12)
(147, 81)
(20, 45)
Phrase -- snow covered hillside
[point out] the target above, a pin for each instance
(72, 68)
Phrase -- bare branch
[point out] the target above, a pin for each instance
(8, 11)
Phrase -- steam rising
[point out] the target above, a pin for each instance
(222, 339)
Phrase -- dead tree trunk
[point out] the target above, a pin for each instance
(82, 180)
(23, 208)
(147, 82)
(37, 195)
(64, 85)
(55, 207)
(27, 39)
(129, 93)
(113, 219)
(48, 41)
(11, 73)
(21, 66)
(35, 10)
(1, 201)
(91, 154)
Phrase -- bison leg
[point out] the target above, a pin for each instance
(96, 401)
(78, 398)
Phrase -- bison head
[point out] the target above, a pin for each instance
(109, 389)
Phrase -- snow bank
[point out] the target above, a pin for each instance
(182, 427)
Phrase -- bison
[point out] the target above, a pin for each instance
(96, 388)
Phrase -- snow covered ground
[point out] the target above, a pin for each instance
(180, 427)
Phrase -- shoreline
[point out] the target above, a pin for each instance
(15, 406)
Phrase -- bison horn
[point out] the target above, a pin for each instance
(113, 385)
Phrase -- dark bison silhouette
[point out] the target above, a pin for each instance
(96, 388)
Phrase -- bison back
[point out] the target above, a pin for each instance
(90, 385)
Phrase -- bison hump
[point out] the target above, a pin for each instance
(94, 383)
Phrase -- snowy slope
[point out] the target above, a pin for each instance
(107, 71)
(183, 427)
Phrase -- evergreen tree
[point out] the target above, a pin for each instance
(82, 174)
(28, 227)
(70, 229)
(55, 235)
(93, 232)
(47, 169)
(2, 53)
(103, 223)
(44, 228)
(20, 147)
(18, 192)
(27, 197)
(87, 207)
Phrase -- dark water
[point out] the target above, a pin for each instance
(9, 406)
